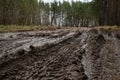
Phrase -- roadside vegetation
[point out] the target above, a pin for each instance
(110, 28)
(20, 28)
(17, 28)
(66, 13)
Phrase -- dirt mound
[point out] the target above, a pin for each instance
(80, 55)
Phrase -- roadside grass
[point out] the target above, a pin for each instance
(19, 28)
(16, 28)
(110, 28)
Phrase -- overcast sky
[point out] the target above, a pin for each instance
(65, 0)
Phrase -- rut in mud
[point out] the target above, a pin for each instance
(78, 55)
(60, 61)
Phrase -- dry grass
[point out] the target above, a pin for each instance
(15, 28)
(111, 28)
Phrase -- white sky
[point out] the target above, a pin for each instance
(66, 0)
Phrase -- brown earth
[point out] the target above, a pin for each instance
(63, 54)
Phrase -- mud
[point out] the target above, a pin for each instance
(88, 54)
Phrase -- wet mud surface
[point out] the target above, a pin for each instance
(60, 55)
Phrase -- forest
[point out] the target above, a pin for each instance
(74, 13)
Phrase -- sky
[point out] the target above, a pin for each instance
(66, 0)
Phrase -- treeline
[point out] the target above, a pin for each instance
(34, 12)
(21, 12)
(37, 12)
(107, 12)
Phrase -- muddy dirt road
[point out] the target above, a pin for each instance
(67, 54)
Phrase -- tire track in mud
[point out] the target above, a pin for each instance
(61, 61)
